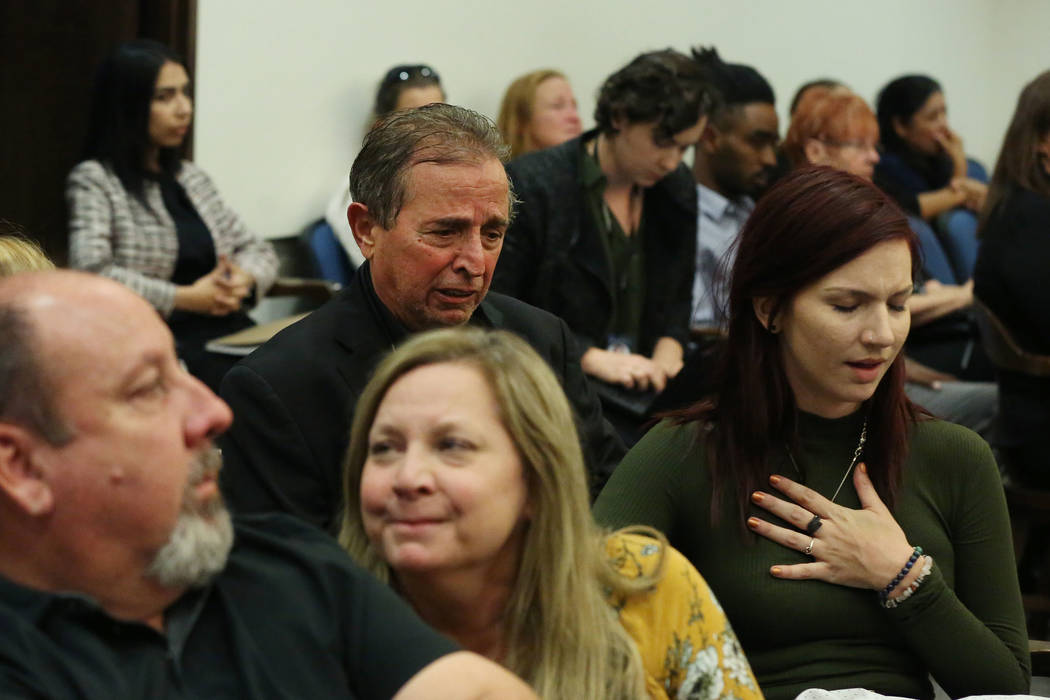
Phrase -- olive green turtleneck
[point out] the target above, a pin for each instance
(964, 625)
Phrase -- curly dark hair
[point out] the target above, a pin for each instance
(665, 87)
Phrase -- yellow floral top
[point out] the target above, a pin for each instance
(687, 646)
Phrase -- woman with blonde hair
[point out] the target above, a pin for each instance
(19, 254)
(538, 111)
(465, 489)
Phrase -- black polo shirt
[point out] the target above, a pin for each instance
(289, 617)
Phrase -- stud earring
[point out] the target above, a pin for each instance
(772, 328)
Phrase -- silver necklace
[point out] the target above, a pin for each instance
(853, 462)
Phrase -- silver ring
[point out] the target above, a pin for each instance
(809, 547)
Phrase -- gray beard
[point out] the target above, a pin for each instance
(200, 543)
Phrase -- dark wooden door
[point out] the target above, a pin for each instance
(48, 53)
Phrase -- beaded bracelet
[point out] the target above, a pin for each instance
(927, 567)
(884, 594)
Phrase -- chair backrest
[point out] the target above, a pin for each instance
(1003, 349)
(329, 260)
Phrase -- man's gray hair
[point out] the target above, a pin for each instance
(437, 133)
(26, 392)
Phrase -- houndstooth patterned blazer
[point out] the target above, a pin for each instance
(113, 234)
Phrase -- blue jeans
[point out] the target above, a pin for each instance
(957, 230)
(935, 262)
(949, 248)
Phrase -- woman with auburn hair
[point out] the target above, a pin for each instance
(834, 124)
(837, 128)
(538, 111)
(154, 222)
(465, 489)
(852, 540)
(1011, 275)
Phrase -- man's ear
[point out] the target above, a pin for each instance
(763, 307)
(364, 226)
(21, 479)
(816, 152)
(710, 138)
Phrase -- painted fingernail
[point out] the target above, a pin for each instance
(757, 496)
(752, 522)
(863, 467)
(774, 479)
(775, 571)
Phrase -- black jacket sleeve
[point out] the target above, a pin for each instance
(268, 463)
(601, 444)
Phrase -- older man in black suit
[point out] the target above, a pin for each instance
(432, 204)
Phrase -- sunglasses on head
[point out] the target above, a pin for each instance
(399, 74)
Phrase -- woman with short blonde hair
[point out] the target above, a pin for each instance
(574, 619)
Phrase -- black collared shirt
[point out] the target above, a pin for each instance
(289, 617)
(624, 257)
(393, 329)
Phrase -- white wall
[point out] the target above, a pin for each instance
(284, 88)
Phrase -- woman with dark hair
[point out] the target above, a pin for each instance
(1011, 275)
(403, 87)
(148, 219)
(924, 167)
(878, 553)
(406, 87)
(606, 234)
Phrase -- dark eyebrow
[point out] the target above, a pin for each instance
(176, 86)
(860, 293)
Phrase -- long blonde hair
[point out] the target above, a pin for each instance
(515, 112)
(561, 635)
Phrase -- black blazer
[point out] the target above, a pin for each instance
(553, 256)
(293, 401)
(1010, 278)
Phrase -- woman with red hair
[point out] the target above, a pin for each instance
(852, 539)
(836, 127)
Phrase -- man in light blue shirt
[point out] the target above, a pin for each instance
(734, 159)
(720, 220)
